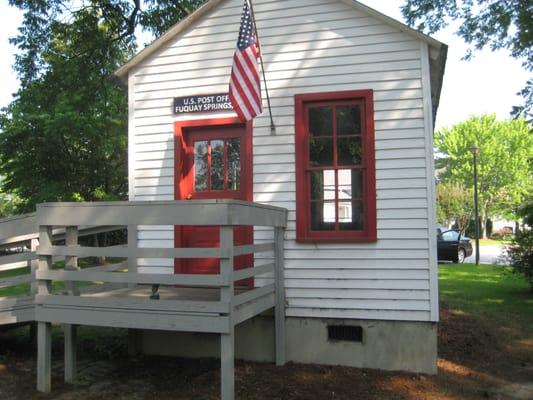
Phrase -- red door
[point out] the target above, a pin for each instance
(213, 161)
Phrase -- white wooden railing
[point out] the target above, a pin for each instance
(125, 308)
(18, 243)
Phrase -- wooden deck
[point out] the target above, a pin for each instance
(186, 302)
(178, 309)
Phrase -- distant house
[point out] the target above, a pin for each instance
(354, 95)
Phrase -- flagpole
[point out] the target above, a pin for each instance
(272, 126)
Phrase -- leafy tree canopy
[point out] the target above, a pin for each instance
(498, 24)
(120, 18)
(505, 170)
(64, 135)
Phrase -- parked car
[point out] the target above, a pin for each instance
(453, 246)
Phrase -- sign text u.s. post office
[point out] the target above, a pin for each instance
(202, 103)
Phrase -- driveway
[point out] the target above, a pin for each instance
(487, 254)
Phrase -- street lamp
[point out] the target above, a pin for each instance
(475, 151)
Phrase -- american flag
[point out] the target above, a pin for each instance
(245, 85)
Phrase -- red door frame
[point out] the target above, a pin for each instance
(184, 179)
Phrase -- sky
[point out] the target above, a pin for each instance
(486, 84)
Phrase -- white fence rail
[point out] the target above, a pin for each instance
(180, 302)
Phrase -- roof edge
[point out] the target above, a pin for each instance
(122, 72)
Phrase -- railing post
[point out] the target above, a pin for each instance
(70, 330)
(33, 264)
(44, 329)
(133, 337)
(279, 234)
(132, 252)
(227, 340)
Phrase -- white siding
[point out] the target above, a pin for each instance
(308, 46)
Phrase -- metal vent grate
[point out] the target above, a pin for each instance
(345, 333)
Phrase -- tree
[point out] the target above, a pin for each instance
(505, 171)
(120, 19)
(64, 136)
(498, 24)
(454, 203)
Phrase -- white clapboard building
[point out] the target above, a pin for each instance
(354, 95)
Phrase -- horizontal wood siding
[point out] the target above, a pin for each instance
(308, 46)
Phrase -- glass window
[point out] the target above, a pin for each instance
(320, 121)
(348, 120)
(450, 236)
(217, 165)
(335, 187)
(234, 164)
(200, 166)
(335, 167)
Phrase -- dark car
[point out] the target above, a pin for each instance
(452, 246)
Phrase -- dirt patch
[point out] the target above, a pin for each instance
(478, 359)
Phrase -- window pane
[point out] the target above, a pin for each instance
(320, 121)
(348, 120)
(322, 216)
(345, 184)
(317, 185)
(450, 236)
(200, 166)
(349, 151)
(234, 164)
(217, 164)
(320, 152)
(323, 185)
(357, 184)
(351, 215)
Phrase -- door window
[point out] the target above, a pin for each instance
(217, 165)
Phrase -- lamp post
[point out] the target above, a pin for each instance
(475, 151)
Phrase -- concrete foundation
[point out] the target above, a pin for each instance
(387, 345)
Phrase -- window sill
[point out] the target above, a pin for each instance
(331, 237)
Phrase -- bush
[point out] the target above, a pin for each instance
(519, 253)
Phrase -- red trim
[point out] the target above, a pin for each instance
(303, 232)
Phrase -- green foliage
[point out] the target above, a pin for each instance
(498, 24)
(505, 173)
(489, 290)
(64, 136)
(519, 253)
(119, 18)
(8, 205)
(454, 203)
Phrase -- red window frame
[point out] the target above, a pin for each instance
(304, 233)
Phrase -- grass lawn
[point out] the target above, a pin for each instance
(491, 242)
(486, 290)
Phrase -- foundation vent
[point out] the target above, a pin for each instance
(345, 333)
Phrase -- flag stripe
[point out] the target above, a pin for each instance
(237, 99)
(245, 84)
(251, 63)
(244, 100)
(248, 89)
